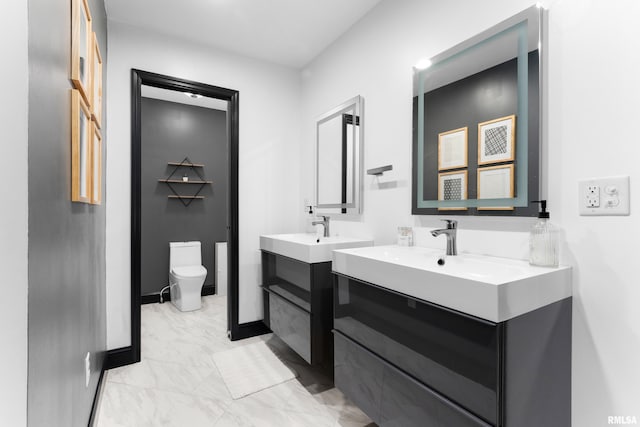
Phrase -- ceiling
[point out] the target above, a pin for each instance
(286, 32)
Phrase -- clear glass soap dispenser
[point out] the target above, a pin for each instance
(543, 241)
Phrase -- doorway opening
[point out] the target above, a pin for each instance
(230, 99)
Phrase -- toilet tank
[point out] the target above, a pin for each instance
(184, 253)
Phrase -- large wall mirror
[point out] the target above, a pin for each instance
(339, 142)
(477, 123)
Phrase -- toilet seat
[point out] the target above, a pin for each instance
(189, 271)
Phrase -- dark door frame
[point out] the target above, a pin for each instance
(131, 354)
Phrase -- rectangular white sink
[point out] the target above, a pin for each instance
(308, 247)
(495, 289)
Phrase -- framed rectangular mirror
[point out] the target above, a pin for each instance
(339, 143)
(477, 113)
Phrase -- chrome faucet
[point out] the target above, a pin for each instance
(450, 232)
(324, 223)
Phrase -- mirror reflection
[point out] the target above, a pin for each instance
(338, 159)
(476, 123)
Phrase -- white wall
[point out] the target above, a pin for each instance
(14, 213)
(593, 92)
(269, 134)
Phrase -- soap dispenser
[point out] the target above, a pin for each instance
(543, 240)
(310, 228)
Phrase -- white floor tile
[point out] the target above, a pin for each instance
(126, 405)
(178, 384)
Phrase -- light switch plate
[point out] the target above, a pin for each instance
(604, 196)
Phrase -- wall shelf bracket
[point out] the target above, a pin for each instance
(185, 199)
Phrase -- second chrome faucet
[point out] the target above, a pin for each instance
(324, 223)
(450, 232)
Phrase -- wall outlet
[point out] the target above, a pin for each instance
(87, 369)
(604, 196)
(592, 196)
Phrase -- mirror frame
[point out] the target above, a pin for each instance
(535, 18)
(355, 207)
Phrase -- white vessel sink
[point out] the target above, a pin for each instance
(308, 247)
(495, 289)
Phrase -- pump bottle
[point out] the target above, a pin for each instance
(543, 240)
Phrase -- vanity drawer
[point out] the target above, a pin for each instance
(454, 354)
(280, 269)
(291, 324)
(358, 374)
(408, 403)
(390, 397)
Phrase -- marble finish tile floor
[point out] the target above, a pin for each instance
(177, 382)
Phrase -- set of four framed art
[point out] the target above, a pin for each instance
(496, 154)
(86, 108)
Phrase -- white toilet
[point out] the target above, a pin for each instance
(186, 275)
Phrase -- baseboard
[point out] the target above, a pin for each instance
(250, 329)
(120, 357)
(155, 298)
(95, 406)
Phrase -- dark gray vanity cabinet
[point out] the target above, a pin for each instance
(408, 362)
(298, 299)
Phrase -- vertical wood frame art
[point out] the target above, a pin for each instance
(81, 156)
(96, 82)
(81, 45)
(452, 186)
(86, 108)
(452, 149)
(496, 140)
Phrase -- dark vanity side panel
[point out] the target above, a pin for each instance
(291, 324)
(266, 309)
(322, 316)
(455, 354)
(538, 367)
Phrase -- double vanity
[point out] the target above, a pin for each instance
(415, 337)
(418, 339)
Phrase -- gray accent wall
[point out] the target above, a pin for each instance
(66, 303)
(171, 132)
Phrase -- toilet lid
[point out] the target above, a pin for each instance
(190, 270)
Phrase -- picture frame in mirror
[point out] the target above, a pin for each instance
(496, 182)
(453, 149)
(497, 140)
(453, 186)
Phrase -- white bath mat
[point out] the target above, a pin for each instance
(249, 369)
